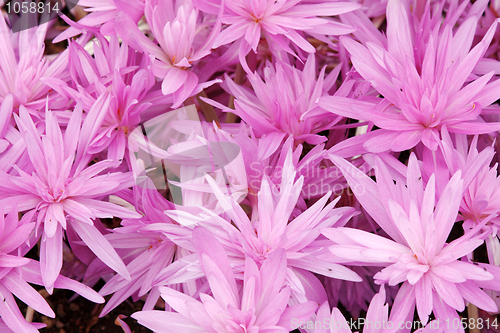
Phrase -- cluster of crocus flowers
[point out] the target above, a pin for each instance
(253, 166)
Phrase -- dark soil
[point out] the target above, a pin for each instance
(82, 316)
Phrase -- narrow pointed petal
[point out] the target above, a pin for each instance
(51, 252)
(166, 322)
(22, 290)
(101, 247)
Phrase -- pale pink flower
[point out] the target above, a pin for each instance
(271, 228)
(181, 43)
(280, 21)
(418, 255)
(284, 102)
(23, 67)
(261, 306)
(423, 75)
(15, 276)
(58, 186)
(101, 17)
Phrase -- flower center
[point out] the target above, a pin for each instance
(240, 322)
(232, 327)
(255, 19)
(54, 195)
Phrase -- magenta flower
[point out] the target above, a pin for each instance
(58, 187)
(418, 255)
(425, 84)
(261, 306)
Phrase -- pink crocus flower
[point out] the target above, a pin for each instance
(14, 233)
(181, 43)
(272, 229)
(425, 84)
(101, 17)
(455, 153)
(149, 246)
(58, 187)
(418, 256)
(16, 274)
(22, 70)
(480, 198)
(376, 321)
(121, 117)
(280, 21)
(22, 65)
(284, 102)
(115, 87)
(261, 306)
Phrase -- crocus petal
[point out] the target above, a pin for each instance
(27, 294)
(174, 79)
(10, 313)
(51, 252)
(166, 322)
(101, 247)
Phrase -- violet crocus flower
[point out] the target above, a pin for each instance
(181, 43)
(425, 84)
(418, 255)
(58, 187)
(261, 306)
